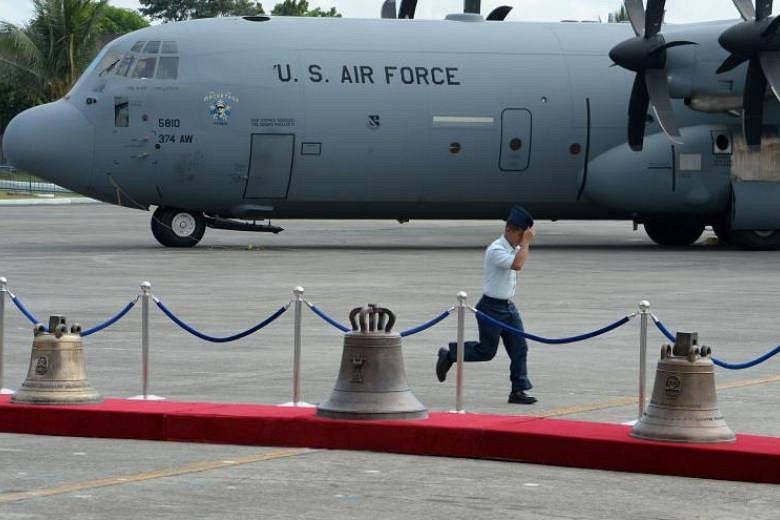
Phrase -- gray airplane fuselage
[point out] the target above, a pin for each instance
(401, 119)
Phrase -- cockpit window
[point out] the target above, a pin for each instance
(124, 65)
(168, 68)
(108, 63)
(170, 48)
(152, 47)
(144, 68)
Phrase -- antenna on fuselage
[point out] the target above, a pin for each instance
(408, 7)
(496, 15)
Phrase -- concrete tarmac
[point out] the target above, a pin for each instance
(87, 262)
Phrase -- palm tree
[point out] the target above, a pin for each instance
(46, 57)
(619, 16)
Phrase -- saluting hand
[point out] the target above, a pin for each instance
(528, 235)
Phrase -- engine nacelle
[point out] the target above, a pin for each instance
(666, 179)
(692, 69)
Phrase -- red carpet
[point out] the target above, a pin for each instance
(557, 442)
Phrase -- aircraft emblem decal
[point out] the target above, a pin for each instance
(220, 106)
(373, 122)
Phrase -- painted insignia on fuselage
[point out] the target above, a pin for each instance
(220, 106)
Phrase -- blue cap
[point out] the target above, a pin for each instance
(520, 218)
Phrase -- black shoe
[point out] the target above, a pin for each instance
(443, 364)
(521, 397)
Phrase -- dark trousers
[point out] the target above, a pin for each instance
(485, 349)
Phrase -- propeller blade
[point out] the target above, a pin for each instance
(745, 8)
(654, 17)
(770, 64)
(658, 89)
(636, 15)
(763, 9)
(669, 45)
(753, 104)
(772, 29)
(407, 9)
(732, 62)
(389, 9)
(499, 13)
(637, 113)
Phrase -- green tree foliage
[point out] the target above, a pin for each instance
(46, 57)
(619, 15)
(12, 101)
(40, 62)
(116, 20)
(178, 10)
(301, 8)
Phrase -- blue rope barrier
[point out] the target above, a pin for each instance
(29, 315)
(721, 363)
(327, 318)
(121, 314)
(215, 339)
(746, 364)
(559, 341)
(660, 326)
(425, 326)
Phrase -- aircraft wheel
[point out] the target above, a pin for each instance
(675, 233)
(177, 227)
(755, 240)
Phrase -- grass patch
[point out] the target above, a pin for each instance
(36, 191)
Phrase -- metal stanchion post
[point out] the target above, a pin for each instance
(298, 316)
(460, 354)
(146, 295)
(3, 292)
(298, 292)
(644, 313)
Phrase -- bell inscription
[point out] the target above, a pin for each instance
(357, 365)
(42, 366)
(673, 387)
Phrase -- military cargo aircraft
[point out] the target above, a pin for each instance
(227, 123)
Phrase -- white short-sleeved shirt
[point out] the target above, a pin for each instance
(500, 279)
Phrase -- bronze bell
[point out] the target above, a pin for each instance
(372, 380)
(684, 406)
(57, 373)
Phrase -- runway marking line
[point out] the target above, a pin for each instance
(197, 467)
(627, 401)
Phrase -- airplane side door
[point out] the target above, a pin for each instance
(515, 140)
(270, 166)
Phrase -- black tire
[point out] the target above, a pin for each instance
(177, 227)
(752, 240)
(674, 233)
(755, 240)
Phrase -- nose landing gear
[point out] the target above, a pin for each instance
(177, 228)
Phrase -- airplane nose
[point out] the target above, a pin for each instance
(53, 141)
